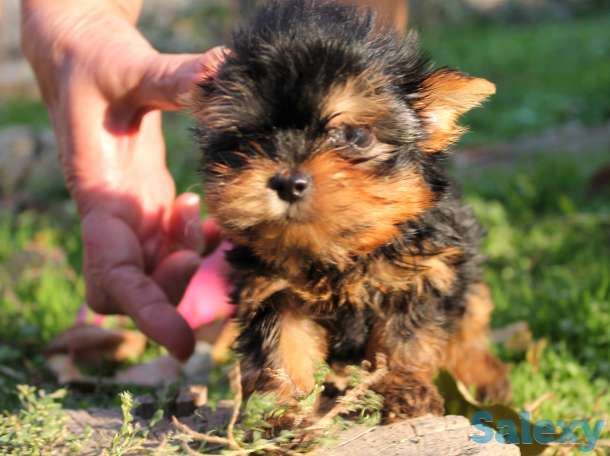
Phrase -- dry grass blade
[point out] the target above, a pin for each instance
(533, 406)
(236, 386)
(597, 405)
(534, 354)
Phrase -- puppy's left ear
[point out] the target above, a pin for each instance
(445, 95)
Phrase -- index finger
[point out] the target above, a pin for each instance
(144, 301)
(118, 265)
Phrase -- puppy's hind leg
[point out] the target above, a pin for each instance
(468, 355)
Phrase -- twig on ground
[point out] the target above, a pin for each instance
(188, 450)
(198, 435)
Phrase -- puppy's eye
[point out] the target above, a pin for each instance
(360, 137)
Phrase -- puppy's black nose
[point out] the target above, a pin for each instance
(291, 187)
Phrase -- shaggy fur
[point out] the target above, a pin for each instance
(377, 253)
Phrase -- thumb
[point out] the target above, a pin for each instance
(167, 79)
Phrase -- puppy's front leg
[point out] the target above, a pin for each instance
(281, 349)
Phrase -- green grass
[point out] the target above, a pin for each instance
(548, 243)
(546, 74)
(548, 247)
(39, 428)
(23, 112)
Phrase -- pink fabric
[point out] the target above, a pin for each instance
(207, 296)
(205, 300)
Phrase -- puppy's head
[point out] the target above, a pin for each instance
(322, 135)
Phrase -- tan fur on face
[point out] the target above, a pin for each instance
(242, 198)
(446, 95)
(349, 212)
(361, 100)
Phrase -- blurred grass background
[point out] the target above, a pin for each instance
(549, 239)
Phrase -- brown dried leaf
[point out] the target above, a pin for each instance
(459, 401)
(535, 352)
(91, 344)
(64, 369)
(161, 371)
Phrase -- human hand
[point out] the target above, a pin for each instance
(104, 86)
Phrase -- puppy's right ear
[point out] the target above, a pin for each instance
(445, 95)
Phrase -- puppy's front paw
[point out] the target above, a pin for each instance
(289, 419)
(405, 398)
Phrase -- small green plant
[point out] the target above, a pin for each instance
(39, 427)
(133, 438)
(260, 431)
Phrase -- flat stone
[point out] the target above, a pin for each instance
(428, 436)
(199, 365)
(427, 425)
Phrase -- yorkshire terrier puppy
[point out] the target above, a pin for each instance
(323, 138)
